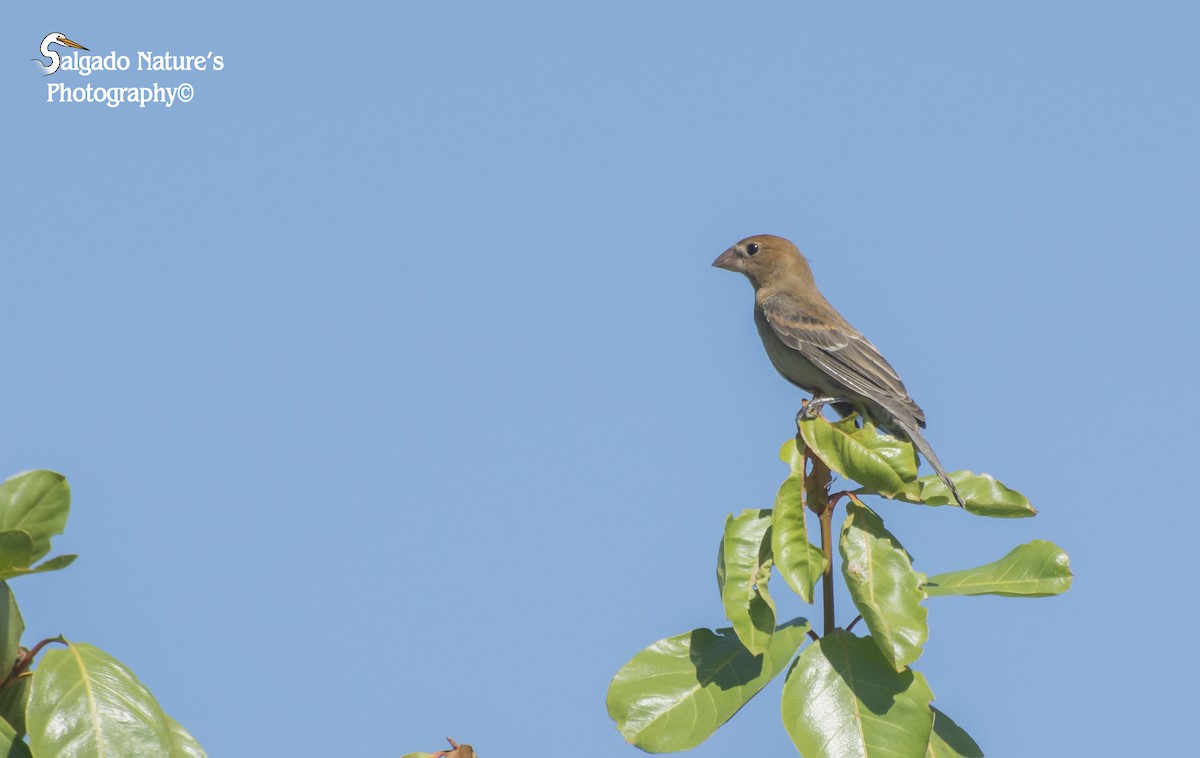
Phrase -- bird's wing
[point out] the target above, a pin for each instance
(844, 354)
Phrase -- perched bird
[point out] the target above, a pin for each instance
(814, 348)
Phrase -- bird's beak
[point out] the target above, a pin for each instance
(729, 260)
(69, 43)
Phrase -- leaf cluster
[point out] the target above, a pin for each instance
(79, 700)
(844, 696)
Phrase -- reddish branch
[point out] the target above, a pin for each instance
(25, 661)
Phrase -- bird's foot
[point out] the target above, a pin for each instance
(810, 409)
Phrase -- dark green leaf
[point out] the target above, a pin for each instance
(948, 739)
(14, 701)
(86, 703)
(983, 494)
(743, 571)
(842, 699)
(12, 626)
(38, 502)
(11, 745)
(16, 549)
(799, 561)
(885, 588)
(878, 461)
(677, 692)
(1035, 569)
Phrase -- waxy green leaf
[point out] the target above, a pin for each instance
(677, 692)
(37, 502)
(948, 739)
(842, 699)
(743, 571)
(983, 494)
(1035, 569)
(885, 588)
(183, 744)
(878, 461)
(86, 703)
(799, 561)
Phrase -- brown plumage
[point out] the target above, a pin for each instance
(814, 348)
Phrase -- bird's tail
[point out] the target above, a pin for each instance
(914, 433)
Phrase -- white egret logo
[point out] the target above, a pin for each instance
(55, 58)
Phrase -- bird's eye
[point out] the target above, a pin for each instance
(752, 248)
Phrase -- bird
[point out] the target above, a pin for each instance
(55, 58)
(812, 346)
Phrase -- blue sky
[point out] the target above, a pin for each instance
(399, 400)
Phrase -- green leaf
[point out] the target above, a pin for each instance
(86, 703)
(743, 571)
(983, 494)
(54, 564)
(12, 626)
(183, 744)
(677, 692)
(799, 561)
(14, 702)
(878, 461)
(1035, 569)
(17, 553)
(417, 755)
(15, 696)
(842, 699)
(16, 548)
(885, 588)
(11, 745)
(948, 739)
(38, 502)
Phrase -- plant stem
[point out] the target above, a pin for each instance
(817, 480)
(816, 498)
(827, 579)
(22, 664)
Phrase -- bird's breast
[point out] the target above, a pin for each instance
(790, 364)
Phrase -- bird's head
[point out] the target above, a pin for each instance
(764, 257)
